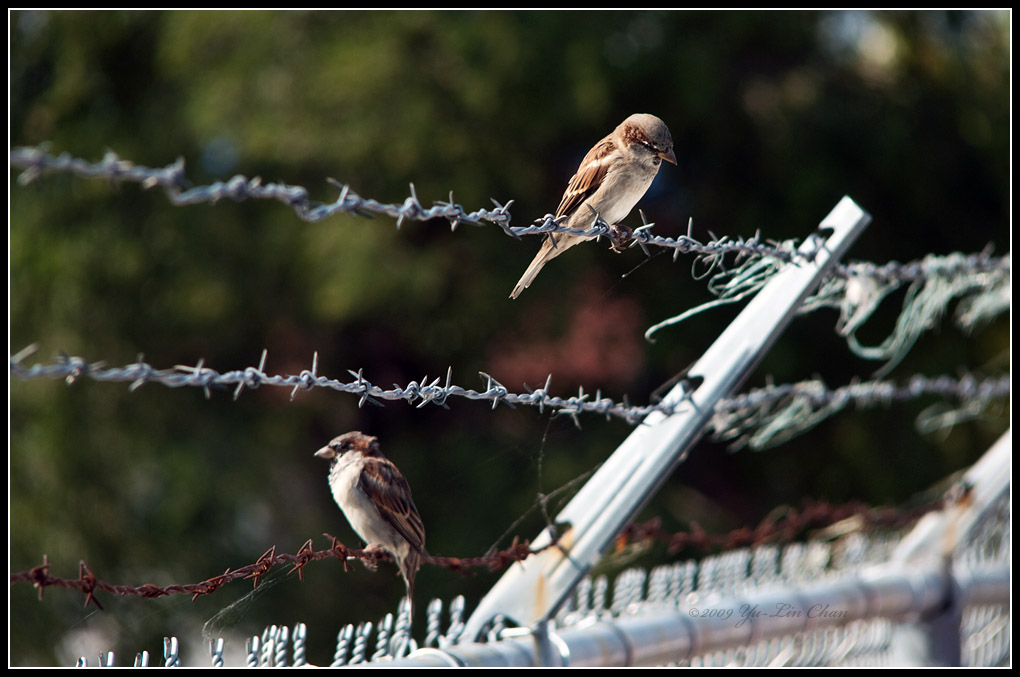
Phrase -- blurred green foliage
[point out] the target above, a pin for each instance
(775, 116)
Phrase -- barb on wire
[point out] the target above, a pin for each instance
(89, 584)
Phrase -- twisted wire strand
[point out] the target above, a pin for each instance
(36, 161)
(799, 405)
(781, 526)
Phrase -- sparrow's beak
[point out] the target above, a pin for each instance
(668, 156)
(326, 453)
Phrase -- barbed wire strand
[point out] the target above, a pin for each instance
(36, 161)
(798, 406)
(89, 584)
(981, 282)
(765, 417)
(782, 525)
(982, 293)
(785, 524)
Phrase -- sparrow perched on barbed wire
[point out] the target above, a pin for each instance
(612, 177)
(376, 499)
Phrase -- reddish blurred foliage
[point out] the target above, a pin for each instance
(601, 343)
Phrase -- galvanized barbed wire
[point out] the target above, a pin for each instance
(983, 287)
(172, 179)
(773, 414)
(766, 417)
(418, 393)
(36, 161)
(981, 281)
(950, 265)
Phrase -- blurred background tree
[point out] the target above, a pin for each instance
(775, 116)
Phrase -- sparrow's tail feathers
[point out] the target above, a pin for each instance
(410, 593)
(409, 569)
(530, 274)
(552, 247)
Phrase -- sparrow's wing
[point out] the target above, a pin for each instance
(589, 176)
(389, 491)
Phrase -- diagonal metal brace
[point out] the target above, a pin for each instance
(532, 591)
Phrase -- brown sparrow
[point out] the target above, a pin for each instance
(612, 177)
(376, 500)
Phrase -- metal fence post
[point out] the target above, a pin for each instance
(533, 590)
(935, 639)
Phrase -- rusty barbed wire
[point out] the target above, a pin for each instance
(35, 161)
(782, 525)
(89, 584)
(785, 524)
(797, 406)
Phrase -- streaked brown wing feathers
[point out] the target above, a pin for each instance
(390, 492)
(588, 177)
